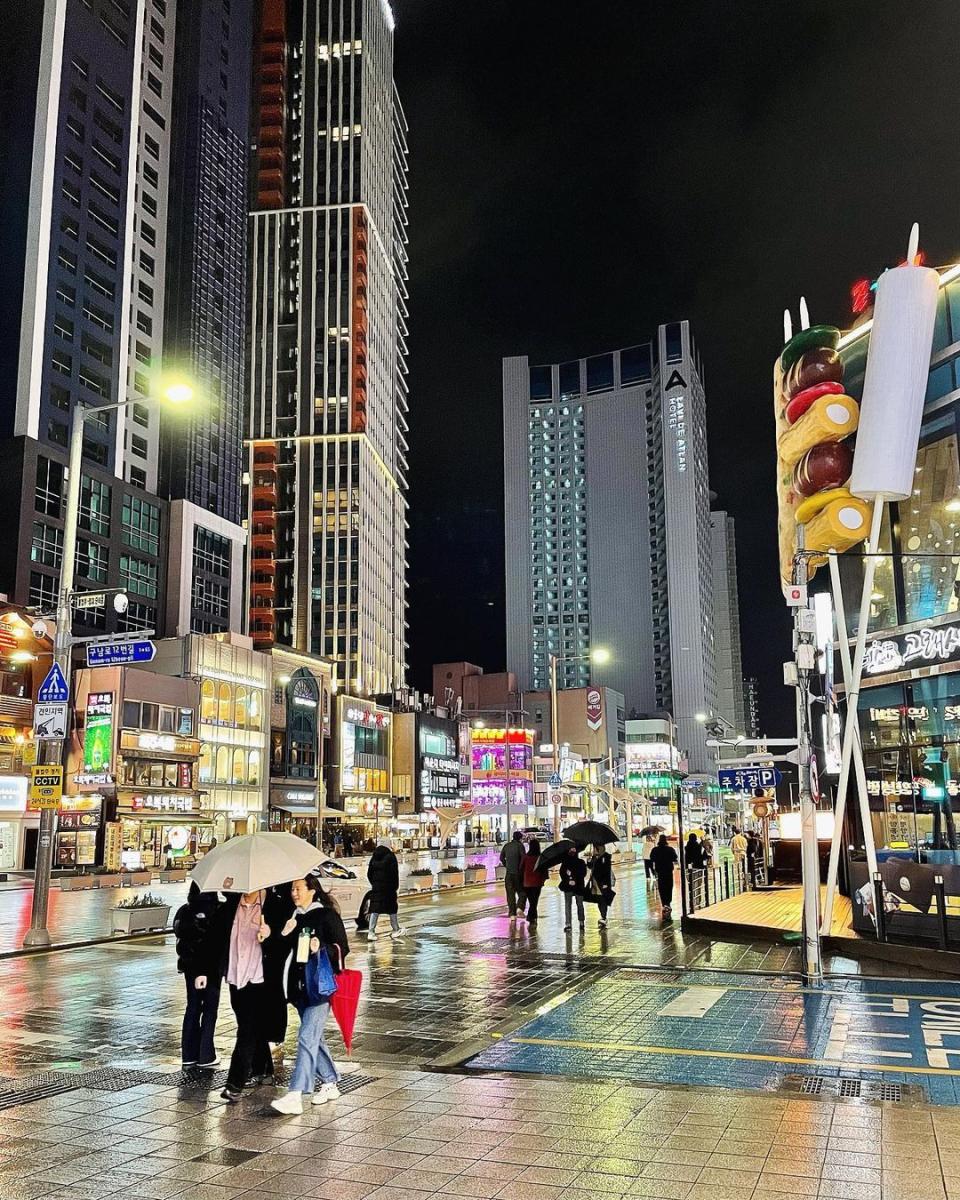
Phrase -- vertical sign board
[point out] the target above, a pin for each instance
(594, 708)
(98, 733)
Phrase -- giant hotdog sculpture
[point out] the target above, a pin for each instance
(815, 420)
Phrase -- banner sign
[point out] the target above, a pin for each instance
(594, 708)
(933, 645)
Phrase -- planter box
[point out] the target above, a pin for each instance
(418, 883)
(451, 879)
(111, 880)
(176, 876)
(476, 874)
(501, 872)
(139, 920)
(138, 878)
(78, 883)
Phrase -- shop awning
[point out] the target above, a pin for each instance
(167, 819)
(291, 806)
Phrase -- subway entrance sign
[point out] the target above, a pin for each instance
(745, 779)
(46, 787)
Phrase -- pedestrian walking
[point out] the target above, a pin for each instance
(754, 856)
(511, 859)
(693, 853)
(648, 845)
(738, 848)
(383, 875)
(277, 910)
(573, 881)
(600, 881)
(709, 852)
(316, 935)
(200, 961)
(247, 935)
(664, 860)
(533, 881)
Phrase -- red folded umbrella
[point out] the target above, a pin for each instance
(344, 1003)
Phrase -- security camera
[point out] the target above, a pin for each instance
(39, 628)
(120, 602)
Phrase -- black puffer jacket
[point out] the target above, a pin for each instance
(322, 923)
(198, 926)
(384, 876)
(573, 875)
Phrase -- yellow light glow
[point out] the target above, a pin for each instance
(600, 656)
(953, 505)
(178, 392)
(22, 656)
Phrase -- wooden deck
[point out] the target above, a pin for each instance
(777, 909)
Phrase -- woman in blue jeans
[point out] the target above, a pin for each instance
(315, 925)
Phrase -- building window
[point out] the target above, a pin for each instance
(636, 365)
(48, 493)
(211, 597)
(92, 560)
(43, 589)
(95, 505)
(211, 552)
(541, 383)
(673, 339)
(137, 616)
(47, 545)
(139, 577)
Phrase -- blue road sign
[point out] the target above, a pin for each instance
(112, 654)
(54, 689)
(555, 780)
(745, 779)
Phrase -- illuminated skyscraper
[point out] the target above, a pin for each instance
(327, 390)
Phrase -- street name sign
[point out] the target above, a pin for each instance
(745, 779)
(54, 689)
(46, 787)
(90, 600)
(113, 654)
(50, 722)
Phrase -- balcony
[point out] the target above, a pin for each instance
(265, 455)
(264, 540)
(265, 518)
(264, 563)
(263, 588)
(265, 490)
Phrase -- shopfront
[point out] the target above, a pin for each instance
(299, 733)
(502, 765)
(158, 803)
(18, 825)
(362, 778)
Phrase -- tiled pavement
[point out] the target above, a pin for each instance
(409, 1136)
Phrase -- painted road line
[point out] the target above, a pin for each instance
(830, 993)
(738, 1056)
(693, 1002)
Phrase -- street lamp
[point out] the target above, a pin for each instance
(176, 391)
(598, 655)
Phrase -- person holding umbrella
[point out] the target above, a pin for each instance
(320, 948)
(664, 860)
(533, 879)
(573, 878)
(648, 845)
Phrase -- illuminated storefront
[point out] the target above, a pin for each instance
(362, 774)
(299, 735)
(18, 825)
(501, 762)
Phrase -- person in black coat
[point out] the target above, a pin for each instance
(314, 927)
(600, 886)
(664, 859)
(573, 878)
(200, 954)
(383, 874)
(693, 853)
(278, 908)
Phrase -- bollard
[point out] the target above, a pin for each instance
(941, 910)
(879, 910)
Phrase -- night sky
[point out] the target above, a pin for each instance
(583, 172)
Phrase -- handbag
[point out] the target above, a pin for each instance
(319, 981)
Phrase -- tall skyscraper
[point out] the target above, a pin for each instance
(608, 527)
(731, 700)
(327, 392)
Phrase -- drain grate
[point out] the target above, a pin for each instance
(354, 1081)
(40, 1086)
(846, 1088)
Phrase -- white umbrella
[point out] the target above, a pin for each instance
(254, 861)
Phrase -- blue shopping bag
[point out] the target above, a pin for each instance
(319, 980)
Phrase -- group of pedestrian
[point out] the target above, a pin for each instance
(589, 880)
(255, 941)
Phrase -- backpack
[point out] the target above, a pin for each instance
(363, 916)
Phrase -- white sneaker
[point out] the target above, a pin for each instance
(398, 933)
(291, 1105)
(371, 935)
(328, 1092)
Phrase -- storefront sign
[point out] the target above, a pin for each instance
(13, 793)
(930, 646)
(913, 787)
(155, 802)
(112, 845)
(93, 779)
(160, 743)
(594, 708)
(98, 733)
(432, 762)
(304, 695)
(367, 716)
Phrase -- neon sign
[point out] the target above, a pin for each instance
(933, 644)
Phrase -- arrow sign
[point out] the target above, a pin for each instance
(54, 689)
(113, 654)
(745, 779)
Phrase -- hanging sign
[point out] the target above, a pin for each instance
(932, 645)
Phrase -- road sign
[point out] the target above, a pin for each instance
(50, 721)
(761, 809)
(111, 654)
(556, 798)
(54, 689)
(28, 754)
(46, 787)
(555, 780)
(745, 779)
(89, 600)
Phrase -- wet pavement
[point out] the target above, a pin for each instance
(493, 1062)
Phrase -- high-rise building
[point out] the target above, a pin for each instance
(608, 539)
(731, 703)
(327, 391)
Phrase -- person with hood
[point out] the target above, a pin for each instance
(383, 875)
(693, 853)
(277, 910)
(600, 885)
(315, 927)
(573, 879)
(200, 961)
(664, 860)
(532, 880)
(511, 859)
(250, 943)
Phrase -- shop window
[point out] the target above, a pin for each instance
(206, 763)
(930, 527)
(131, 714)
(253, 772)
(166, 719)
(223, 764)
(185, 722)
(242, 708)
(225, 704)
(239, 774)
(255, 710)
(883, 603)
(208, 701)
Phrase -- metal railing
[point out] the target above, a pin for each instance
(707, 886)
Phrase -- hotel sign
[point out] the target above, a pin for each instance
(933, 645)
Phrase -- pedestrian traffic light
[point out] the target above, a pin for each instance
(814, 420)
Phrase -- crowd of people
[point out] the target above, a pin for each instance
(584, 880)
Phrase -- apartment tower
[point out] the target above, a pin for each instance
(327, 388)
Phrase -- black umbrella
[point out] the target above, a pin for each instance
(553, 855)
(586, 833)
(651, 831)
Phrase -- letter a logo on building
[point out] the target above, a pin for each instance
(675, 380)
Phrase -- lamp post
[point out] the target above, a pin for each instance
(176, 392)
(599, 656)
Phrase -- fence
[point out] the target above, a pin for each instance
(709, 885)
